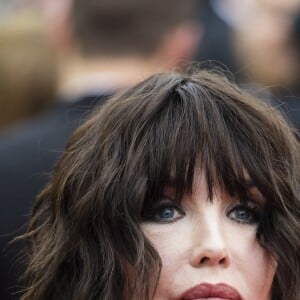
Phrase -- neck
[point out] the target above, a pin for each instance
(79, 76)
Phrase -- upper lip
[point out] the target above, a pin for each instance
(206, 291)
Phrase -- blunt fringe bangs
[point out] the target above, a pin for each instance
(85, 236)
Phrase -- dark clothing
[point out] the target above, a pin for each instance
(216, 45)
(27, 156)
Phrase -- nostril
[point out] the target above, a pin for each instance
(203, 260)
(222, 261)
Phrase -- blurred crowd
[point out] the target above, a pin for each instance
(40, 56)
(59, 58)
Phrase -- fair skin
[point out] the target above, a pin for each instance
(212, 242)
(265, 38)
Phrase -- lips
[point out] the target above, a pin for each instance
(209, 291)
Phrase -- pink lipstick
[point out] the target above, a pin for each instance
(211, 291)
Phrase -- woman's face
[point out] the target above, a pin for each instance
(209, 249)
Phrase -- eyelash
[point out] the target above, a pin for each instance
(153, 216)
(254, 214)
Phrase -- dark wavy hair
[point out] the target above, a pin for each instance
(85, 239)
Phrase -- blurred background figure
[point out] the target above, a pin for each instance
(28, 69)
(101, 46)
(266, 46)
(264, 43)
(257, 41)
(220, 20)
(114, 44)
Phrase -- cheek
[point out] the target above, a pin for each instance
(261, 272)
(253, 263)
(171, 243)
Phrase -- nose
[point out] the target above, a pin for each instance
(209, 246)
(210, 256)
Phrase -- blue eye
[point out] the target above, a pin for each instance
(243, 214)
(167, 213)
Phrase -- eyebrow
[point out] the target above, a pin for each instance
(254, 191)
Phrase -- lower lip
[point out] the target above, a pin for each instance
(211, 299)
(206, 291)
